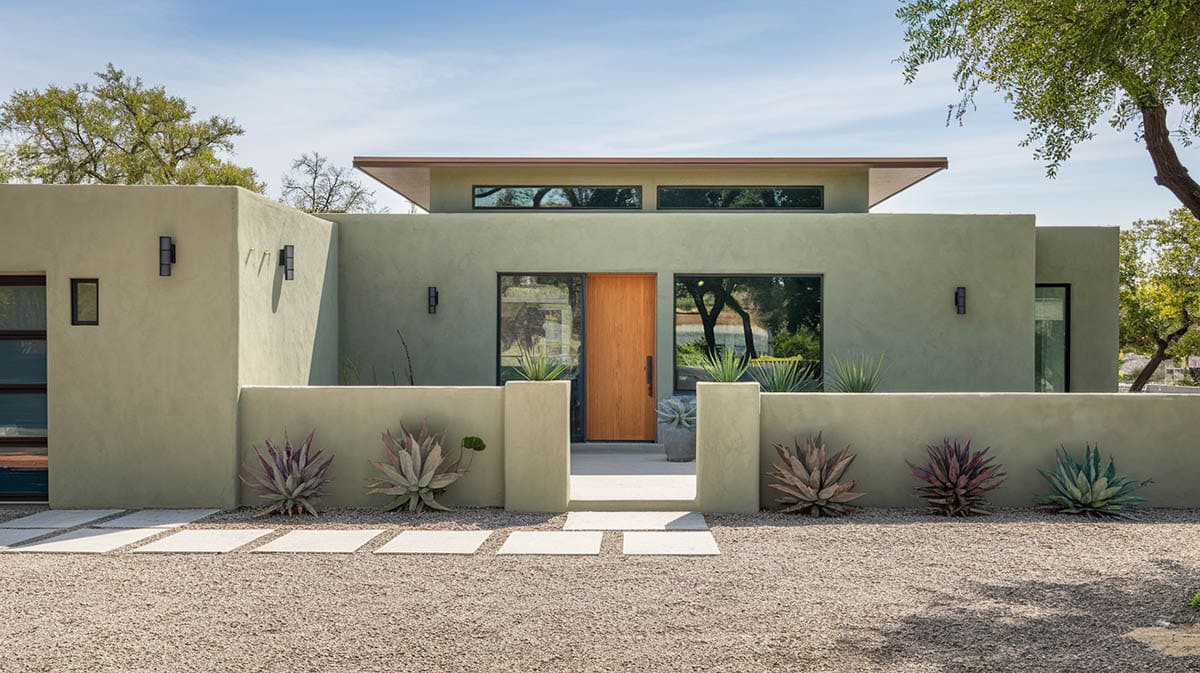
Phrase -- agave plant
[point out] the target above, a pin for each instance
(538, 365)
(785, 376)
(808, 479)
(1084, 488)
(728, 367)
(415, 471)
(291, 479)
(957, 478)
(680, 412)
(856, 375)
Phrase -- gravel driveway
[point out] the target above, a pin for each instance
(884, 590)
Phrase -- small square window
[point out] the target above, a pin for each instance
(85, 301)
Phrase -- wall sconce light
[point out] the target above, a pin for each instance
(287, 259)
(433, 299)
(960, 300)
(166, 255)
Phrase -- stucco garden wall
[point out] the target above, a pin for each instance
(888, 284)
(1151, 436)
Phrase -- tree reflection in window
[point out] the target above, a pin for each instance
(533, 197)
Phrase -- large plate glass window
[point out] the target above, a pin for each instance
(741, 198)
(1052, 338)
(764, 318)
(543, 314)
(557, 197)
(23, 388)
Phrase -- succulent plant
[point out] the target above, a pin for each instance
(538, 365)
(415, 470)
(473, 443)
(728, 367)
(956, 478)
(785, 376)
(677, 411)
(1084, 488)
(291, 479)
(856, 375)
(808, 479)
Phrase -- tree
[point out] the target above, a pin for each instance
(1160, 290)
(1065, 64)
(317, 186)
(116, 132)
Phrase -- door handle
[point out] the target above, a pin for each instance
(650, 375)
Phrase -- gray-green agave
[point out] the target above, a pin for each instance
(680, 412)
(1084, 488)
(416, 469)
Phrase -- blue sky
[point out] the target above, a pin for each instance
(576, 78)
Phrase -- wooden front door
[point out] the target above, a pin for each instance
(619, 354)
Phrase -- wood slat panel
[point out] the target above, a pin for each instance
(620, 335)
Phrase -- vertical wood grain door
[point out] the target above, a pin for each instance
(619, 334)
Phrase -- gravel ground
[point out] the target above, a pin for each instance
(882, 590)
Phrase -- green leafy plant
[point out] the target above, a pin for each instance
(677, 411)
(808, 479)
(1085, 488)
(473, 443)
(727, 367)
(803, 342)
(415, 470)
(289, 480)
(1194, 601)
(692, 353)
(856, 375)
(785, 376)
(538, 365)
(957, 478)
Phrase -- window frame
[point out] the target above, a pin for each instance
(658, 200)
(1067, 325)
(641, 190)
(75, 283)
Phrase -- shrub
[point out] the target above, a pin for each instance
(956, 478)
(677, 411)
(728, 367)
(691, 354)
(1194, 601)
(856, 375)
(538, 365)
(784, 376)
(808, 479)
(1083, 488)
(803, 342)
(415, 470)
(292, 479)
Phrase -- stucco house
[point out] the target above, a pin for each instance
(132, 317)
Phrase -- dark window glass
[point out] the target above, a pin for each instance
(762, 317)
(23, 415)
(1051, 338)
(22, 307)
(803, 198)
(543, 313)
(85, 301)
(22, 361)
(558, 197)
(23, 458)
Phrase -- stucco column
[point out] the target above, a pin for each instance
(537, 446)
(727, 429)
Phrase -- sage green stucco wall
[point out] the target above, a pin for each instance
(846, 189)
(888, 283)
(143, 406)
(1086, 259)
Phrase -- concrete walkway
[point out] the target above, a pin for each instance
(627, 477)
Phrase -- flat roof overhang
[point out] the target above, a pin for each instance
(409, 176)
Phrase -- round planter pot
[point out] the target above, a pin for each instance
(679, 443)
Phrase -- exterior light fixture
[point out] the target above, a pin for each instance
(433, 299)
(166, 255)
(287, 259)
(960, 300)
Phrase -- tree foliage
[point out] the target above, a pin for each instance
(1160, 289)
(117, 131)
(1066, 66)
(317, 186)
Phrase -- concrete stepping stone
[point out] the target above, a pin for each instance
(553, 542)
(158, 518)
(204, 541)
(435, 542)
(320, 541)
(91, 540)
(670, 543)
(11, 537)
(60, 518)
(635, 521)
